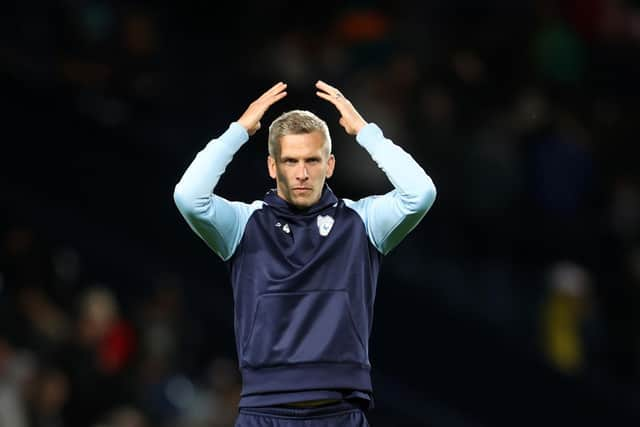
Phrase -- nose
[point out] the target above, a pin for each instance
(302, 173)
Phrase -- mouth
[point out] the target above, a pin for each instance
(301, 189)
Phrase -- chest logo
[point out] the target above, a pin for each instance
(324, 224)
(284, 228)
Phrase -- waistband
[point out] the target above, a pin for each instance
(333, 409)
(308, 376)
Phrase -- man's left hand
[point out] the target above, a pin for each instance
(350, 119)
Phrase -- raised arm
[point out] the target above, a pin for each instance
(390, 217)
(219, 222)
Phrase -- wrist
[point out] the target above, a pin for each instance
(238, 132)
(359, 126)
(243, 124)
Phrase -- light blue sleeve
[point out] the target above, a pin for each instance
(390, 217)
(217, 221)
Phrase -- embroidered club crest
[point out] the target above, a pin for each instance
(324, 224)
(284, 228)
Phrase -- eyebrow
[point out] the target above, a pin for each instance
(287, 158)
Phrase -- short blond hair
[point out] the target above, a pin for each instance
(296, 122)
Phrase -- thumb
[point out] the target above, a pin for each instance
(254, 129)
(342, 122)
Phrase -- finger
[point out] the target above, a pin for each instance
(331, 91)
(278, 87)
(267, 100)
(277, 95)
(275, 98)
(336, 102)
(326, 87)
(329, 97)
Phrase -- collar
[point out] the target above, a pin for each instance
(326, 199)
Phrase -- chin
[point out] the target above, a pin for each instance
(304, 203)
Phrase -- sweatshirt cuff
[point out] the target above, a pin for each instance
(370, 136)
(237, 132)
(235, 136)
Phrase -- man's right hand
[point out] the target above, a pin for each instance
(250, 119)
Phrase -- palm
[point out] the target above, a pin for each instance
(250, 119)
(350, 119)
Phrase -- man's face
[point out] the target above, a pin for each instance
(301, 169)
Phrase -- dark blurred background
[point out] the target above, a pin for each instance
(516, 301)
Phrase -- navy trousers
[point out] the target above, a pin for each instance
(343, 414)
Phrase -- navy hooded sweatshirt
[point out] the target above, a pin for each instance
(304, 281)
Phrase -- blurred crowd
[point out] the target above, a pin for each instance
(523, 113)
(71, 355)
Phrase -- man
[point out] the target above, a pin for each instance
(303, 263)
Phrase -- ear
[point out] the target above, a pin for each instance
(331, 164)
(271, 165)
